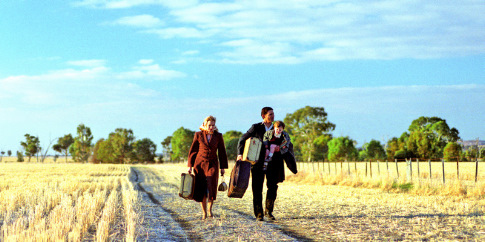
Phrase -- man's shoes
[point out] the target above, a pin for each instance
(270, 215)
(259, 217)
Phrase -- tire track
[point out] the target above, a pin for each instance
(161, 223)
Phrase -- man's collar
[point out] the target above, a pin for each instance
(266, 127)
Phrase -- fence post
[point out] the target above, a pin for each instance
(457, 168)
(443, 165)
(378, 168)
(348, 166)
(365, 167)
(387, 165)
(417, 163)
(370, 168)
(429, 164)
(409, 169)
(397, 168)
(476, 169)
(329, 167)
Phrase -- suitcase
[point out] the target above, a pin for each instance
(252, 149)
(187, 185)
(239, 179)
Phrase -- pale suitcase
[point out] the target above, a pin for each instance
(252, 149)
(187, 185)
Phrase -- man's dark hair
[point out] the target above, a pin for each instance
(265, 110)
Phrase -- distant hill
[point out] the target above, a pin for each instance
(468, 143)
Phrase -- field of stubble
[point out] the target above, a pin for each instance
(84, 202)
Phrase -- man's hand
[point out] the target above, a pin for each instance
(239, 157)
(190, 170)
(223, 172)
(277, 148)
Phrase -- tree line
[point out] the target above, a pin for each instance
(309, 128)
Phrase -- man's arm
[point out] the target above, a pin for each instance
(242, 141)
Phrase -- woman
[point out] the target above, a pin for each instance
(205, 163)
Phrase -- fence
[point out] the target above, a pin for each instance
(411, 169)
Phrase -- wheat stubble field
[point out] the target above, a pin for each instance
(85, 202)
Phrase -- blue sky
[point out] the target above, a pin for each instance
(156, 65)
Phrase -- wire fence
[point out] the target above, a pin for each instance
(410, 169)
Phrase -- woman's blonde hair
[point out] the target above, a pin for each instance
(209, 118)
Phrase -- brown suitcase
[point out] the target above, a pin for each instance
(239, 179)
(252, 149)
(187, 185)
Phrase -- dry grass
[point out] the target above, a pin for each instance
(308, 208)
(74, 202)
(52, 202)
(397, 180)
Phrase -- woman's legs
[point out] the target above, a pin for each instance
(210, 202)
(203, 205)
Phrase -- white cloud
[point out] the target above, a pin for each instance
(145, 61)
(87, 63)
(141, 21)
(315, 30)
(90, 83)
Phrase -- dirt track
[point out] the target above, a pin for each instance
(307, 213)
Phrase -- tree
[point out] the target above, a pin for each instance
(81, 148)
(305, 125)
(321, 144)
(452, 151)
(181, 140)
(429, 135)
(103, 152)
(167, 148)
(20, 157)
(374, 150)
(63, 144)
(9, 152)
(122, 142)
(341, 148)
(1, 157)
(231, 139)
(144, 150)
(31, 145)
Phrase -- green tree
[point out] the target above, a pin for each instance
(167, 148)
(374, 150)
(81, 148)
(103, 152)
(20, 157)
(429, 135)
(31, 145)
(181, 140)
(452, 151)
(341, 148)
(231, 138)
(122, 141)
(305, 125)
(144, 150)
(63, 144)
(9, 153)
(321, 144)
(1, 157)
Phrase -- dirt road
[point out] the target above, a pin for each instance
(307, 213)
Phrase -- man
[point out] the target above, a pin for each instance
(275, 172)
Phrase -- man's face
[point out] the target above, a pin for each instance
(268, 117)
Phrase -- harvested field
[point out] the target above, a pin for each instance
(141, 203)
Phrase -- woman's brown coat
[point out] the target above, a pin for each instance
(203, 157)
